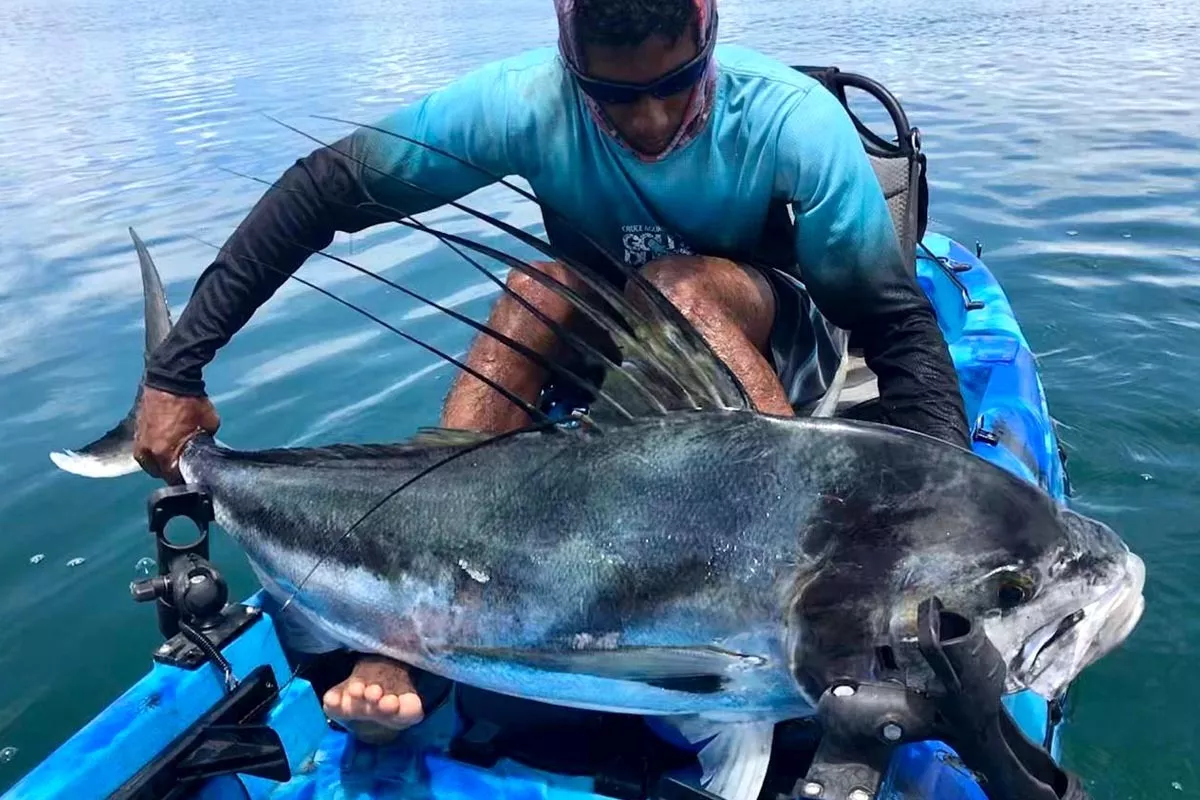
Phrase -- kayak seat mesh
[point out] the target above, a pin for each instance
(896, 179)
(898, 161)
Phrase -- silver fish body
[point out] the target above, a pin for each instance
(692, 563)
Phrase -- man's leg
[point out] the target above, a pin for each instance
(733, 308)
(378, 699)
(472, 404)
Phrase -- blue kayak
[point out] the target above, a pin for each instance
(1011, 427)
(169, 735)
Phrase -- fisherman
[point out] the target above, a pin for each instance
(679, 157)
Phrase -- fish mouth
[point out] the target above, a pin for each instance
(1056, 654)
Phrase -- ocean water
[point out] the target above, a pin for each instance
(1063, 136)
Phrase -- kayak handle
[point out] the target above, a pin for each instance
(970, 303)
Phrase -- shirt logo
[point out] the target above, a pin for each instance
(644, 243)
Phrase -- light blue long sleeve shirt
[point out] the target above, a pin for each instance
(775, 137)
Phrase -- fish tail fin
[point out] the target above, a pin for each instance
(735, 755)
(111, 455)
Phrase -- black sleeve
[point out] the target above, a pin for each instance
(918, 385)
(851, 261)
(315, 198)
(378, 173)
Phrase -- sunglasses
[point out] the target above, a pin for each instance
(677, 80)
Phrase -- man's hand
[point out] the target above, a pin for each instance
(165, 423)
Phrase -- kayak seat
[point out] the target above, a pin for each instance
(898, 161)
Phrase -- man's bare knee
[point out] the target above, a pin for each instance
(528, 285)
(701, 286)
(684, 280)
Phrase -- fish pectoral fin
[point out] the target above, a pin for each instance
(698, 670)
(735, 759)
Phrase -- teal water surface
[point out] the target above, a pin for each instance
(1064, 136)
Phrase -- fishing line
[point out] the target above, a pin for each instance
(658, 302)
(547, 425)
(544, 423)
(617, 302)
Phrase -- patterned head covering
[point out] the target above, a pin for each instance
(699, 104)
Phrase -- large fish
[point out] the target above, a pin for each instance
(713, 566)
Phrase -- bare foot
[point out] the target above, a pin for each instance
(376, 702)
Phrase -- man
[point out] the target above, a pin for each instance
(673, 155)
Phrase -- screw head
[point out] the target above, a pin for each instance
(843, 690)
(164, 649)
(892, 732)
(859, 794)
(813, 789)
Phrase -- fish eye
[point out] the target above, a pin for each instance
(1012, 590)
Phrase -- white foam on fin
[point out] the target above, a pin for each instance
(736, 758)
(92, 467)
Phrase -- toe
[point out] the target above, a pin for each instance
(353, 707)
(378, 693)
(388, 705)
(409, 709)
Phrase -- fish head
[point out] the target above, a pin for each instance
(1057, 613)
(1054, 591)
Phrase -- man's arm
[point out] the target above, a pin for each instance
(850, 261)
(366, 178)
(338, 188)
(315, 198)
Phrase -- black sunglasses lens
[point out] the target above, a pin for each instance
(667, 86)
(674, 84)
(610, 94)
